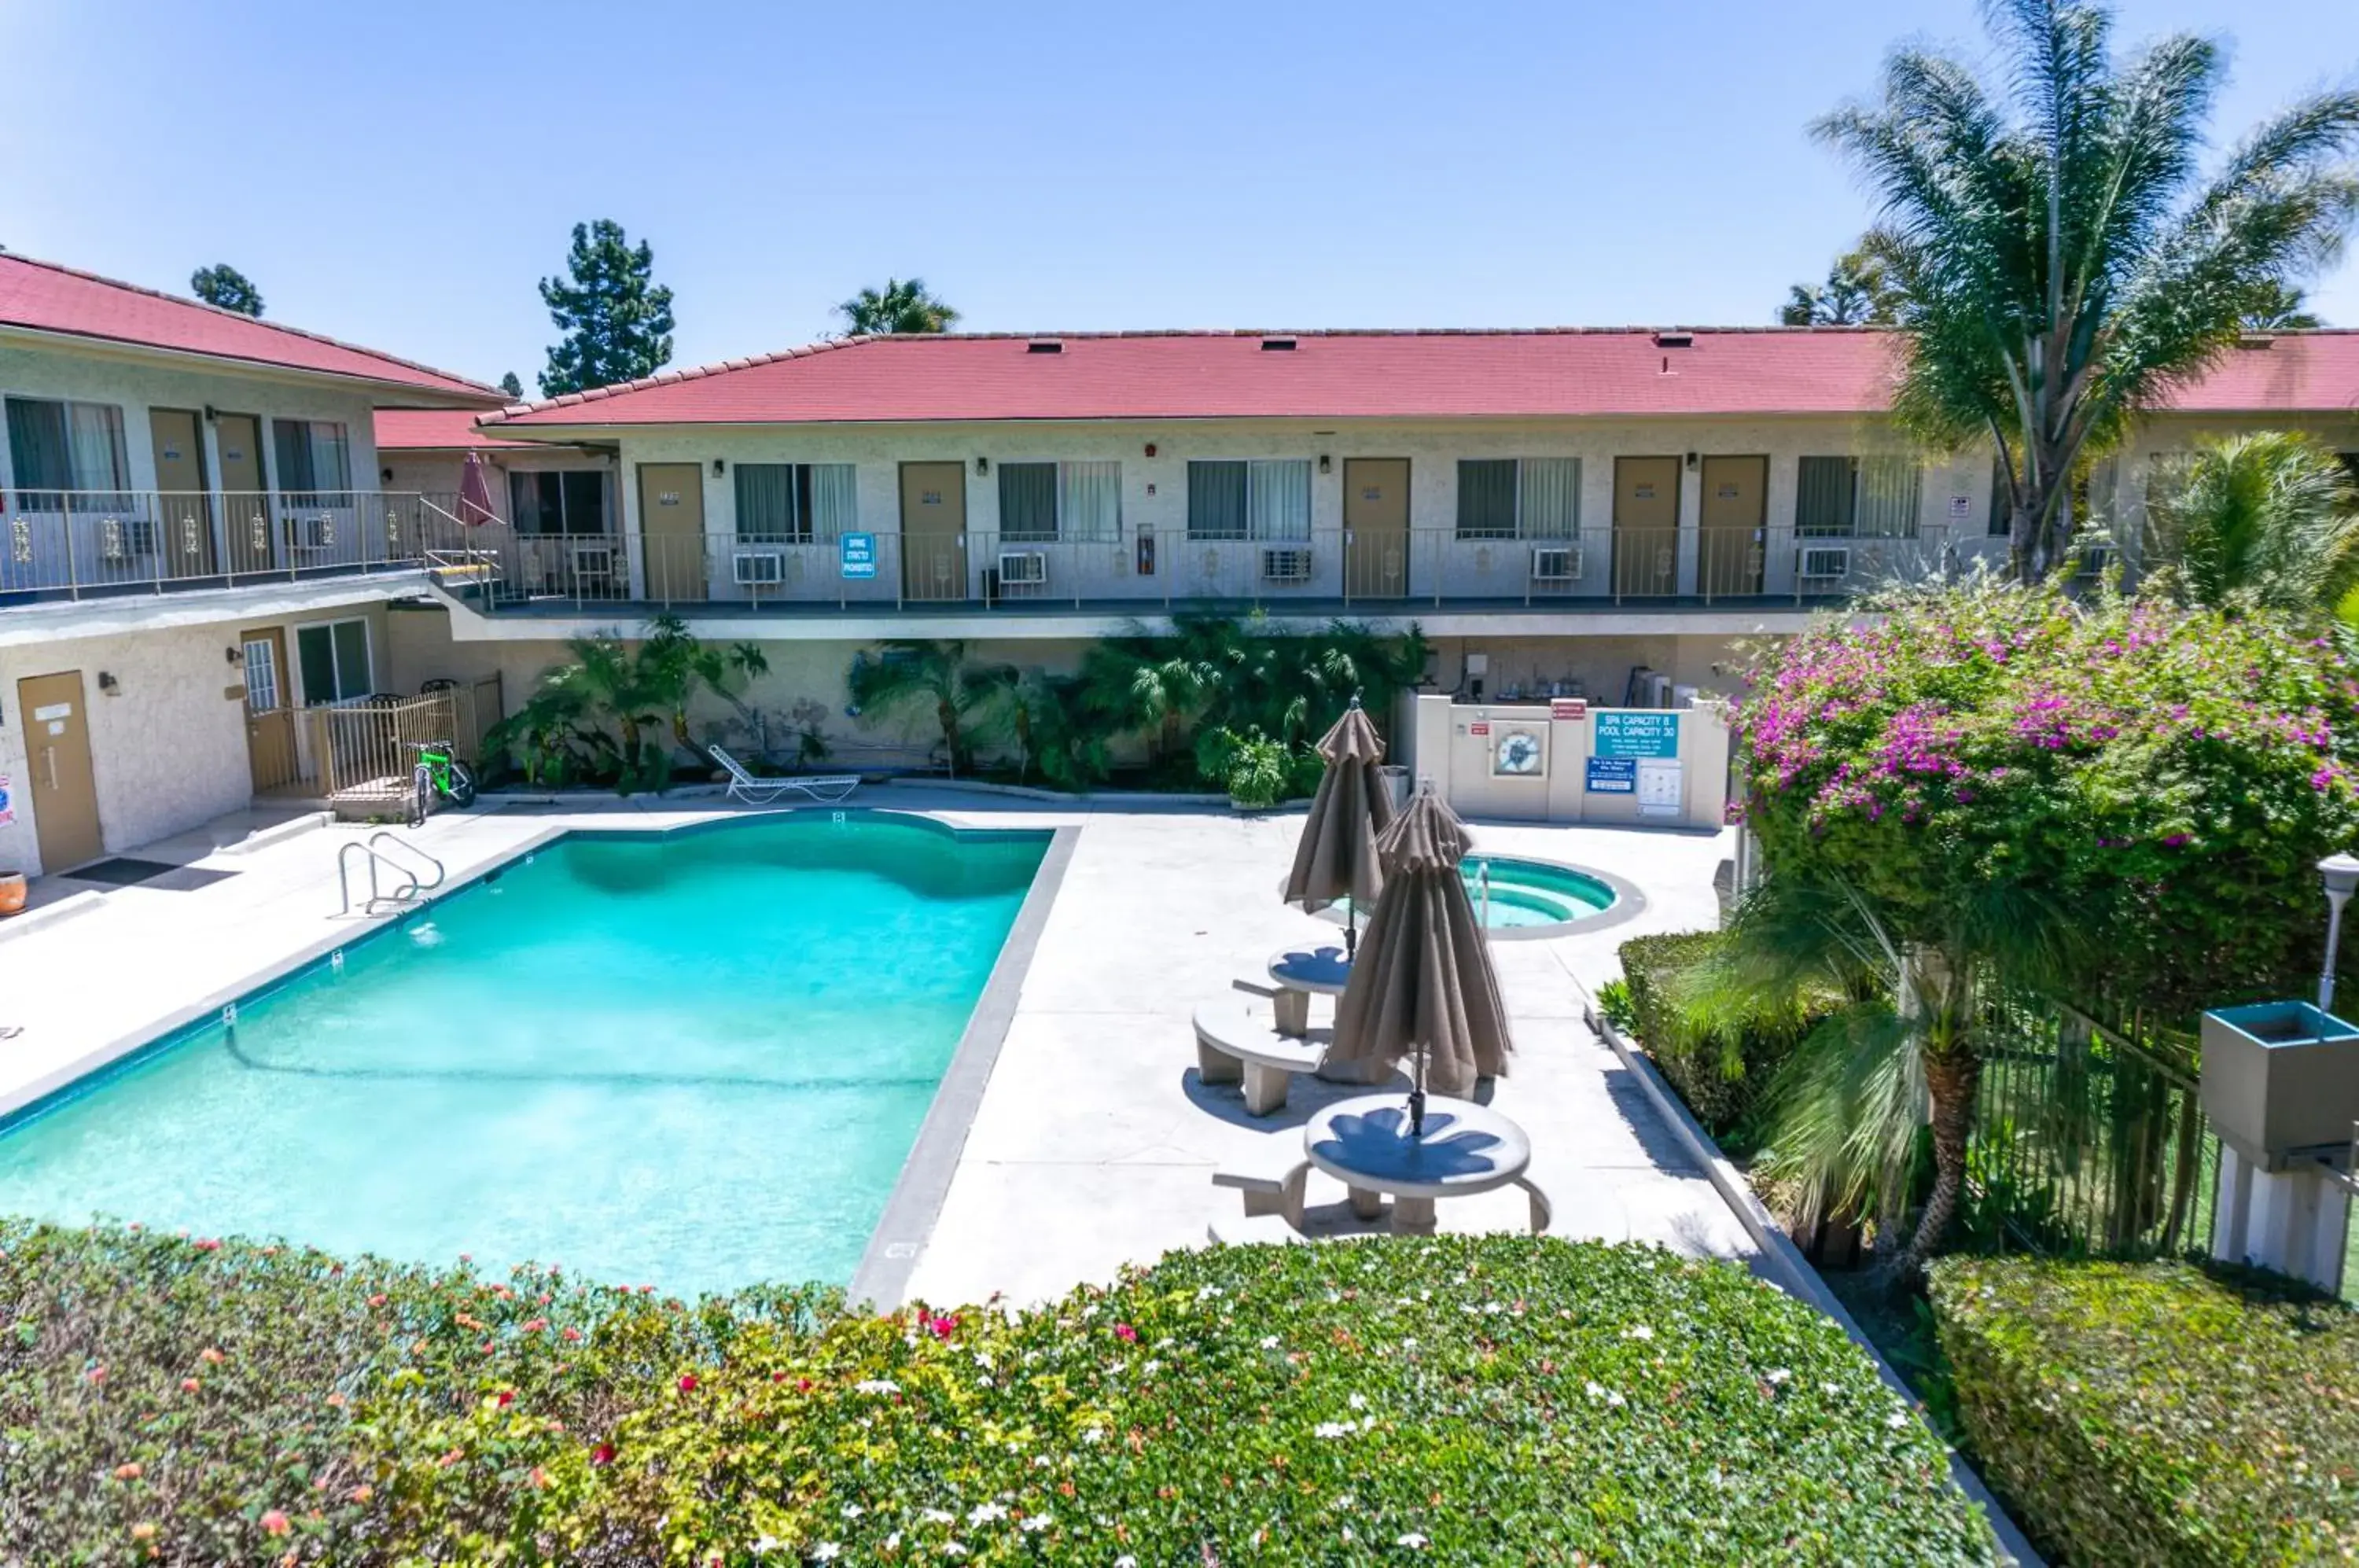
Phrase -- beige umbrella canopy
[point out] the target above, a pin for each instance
(1424, 988)
(1337, 857)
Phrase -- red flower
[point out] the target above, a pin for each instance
(189, 1385)
(207, 1244)
(574, 1334)
(508, 1397)
(603, 1454)
(275, 1523)
(376, 1301)
(98, 1375)
(1125, 1332)
(534, 1325)
(802, 1385)
(942, 1328)
(688, 1383)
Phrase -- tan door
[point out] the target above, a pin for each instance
(1730, 545)
(246, 522)
(183, 508)
(269, 709)
(1647, 526)
(933, 530)
(57, 750)
(671, 530)
(1375, 527)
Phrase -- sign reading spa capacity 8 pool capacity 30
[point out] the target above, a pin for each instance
(1619, 732)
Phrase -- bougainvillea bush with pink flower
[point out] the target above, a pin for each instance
(1455, 1400)
(2165, 778)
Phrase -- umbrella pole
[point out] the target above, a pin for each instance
(1351, 931)
(1417, 1095)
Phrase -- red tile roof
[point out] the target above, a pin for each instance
(1546, 373)
(437, 430)
(41, 296)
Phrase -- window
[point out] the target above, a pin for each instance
(796, 503)
(333, 658)
(568, 501)
(1059, 500)
(1864, 497)
(66, 446)
(314, 458)
(1507, 498)
(1261, 500)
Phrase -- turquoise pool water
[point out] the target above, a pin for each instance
(1533, 892)
(695, 1061)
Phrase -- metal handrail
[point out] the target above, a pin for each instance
(408, 889)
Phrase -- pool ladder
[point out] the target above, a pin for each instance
(406, 891)
(1483, 898)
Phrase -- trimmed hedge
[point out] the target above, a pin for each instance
(1472, 1399)
(2156, 1412)
(1720, 1085)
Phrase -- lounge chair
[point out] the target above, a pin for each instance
(743, 786)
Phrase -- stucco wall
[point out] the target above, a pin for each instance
(1454, 745)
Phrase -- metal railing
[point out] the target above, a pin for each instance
(378, 850)
(76, 544)
(1172, 567)
(358, 756)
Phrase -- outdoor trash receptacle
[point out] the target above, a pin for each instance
(2277, 1077)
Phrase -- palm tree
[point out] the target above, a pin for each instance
(2268, 520)
(901, 306)
(682, 666)
(915, 674)
(2277, 307)
(2064, 262)
(1859, 292)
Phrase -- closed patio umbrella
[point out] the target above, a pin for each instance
(475, 492)
(1426, 989)
(1337, 856)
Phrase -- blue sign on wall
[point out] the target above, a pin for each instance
(1612, 774)
(858, 553)
(1621, 732)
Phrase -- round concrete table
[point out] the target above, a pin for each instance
(1297, 973)
(1467, 1148)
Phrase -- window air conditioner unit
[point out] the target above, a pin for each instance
(1286, 565)
(1023, 569)
(758, 568)
(596, 561)
(1826, 560)
(121, 539)
(1555, 563)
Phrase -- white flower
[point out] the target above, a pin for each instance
(1269, 1342)
(1091, 1311)
(1332, 1429)
(1042, 1462)
(1779, 1375)
(1491, 1309)
(766, 1544)
(986, 1513)
(980, 1359)
(1414, 1541)
(1409, 1344)
(1093, 1434)
(853, 1510)
(877, 1386)
(1126, 1561)
(826, 1552)
(1150, 1369)
(1032, 1522)
(1638, 1330)
(1600, 1391)
(1206, 1292)
(953, 1548)
(1897, 1420)
(1358, 1401)
(892, 1542)
(935, 1516)
(984, 1383)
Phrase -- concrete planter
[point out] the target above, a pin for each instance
(2279, 1077)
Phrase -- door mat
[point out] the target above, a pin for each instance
(121, 871)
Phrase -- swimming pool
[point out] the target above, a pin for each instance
(1527, 893)
(696, 1060)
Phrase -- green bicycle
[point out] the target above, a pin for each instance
(438, 775)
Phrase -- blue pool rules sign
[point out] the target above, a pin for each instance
(1623, 732)
(1613, 776)
(858, 553)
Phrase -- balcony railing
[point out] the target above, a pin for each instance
(1326, 569)
(71, 544)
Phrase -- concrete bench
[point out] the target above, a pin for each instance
(1276, 1193)
(1239, 1041)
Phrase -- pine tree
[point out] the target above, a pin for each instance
(227, 287)
(511, 386)
(617, 325)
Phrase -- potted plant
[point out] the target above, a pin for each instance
(1257, 776)
(11, 892)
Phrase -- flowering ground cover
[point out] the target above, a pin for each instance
(1454, 1400)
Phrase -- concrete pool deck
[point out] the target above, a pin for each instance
(1091, 1144)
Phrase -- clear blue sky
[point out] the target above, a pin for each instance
(400, 174)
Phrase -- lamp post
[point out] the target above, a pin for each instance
(2340, 872)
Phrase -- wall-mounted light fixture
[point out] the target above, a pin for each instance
(981, 466)
(210, 415)
(1150, 449)
(1692, 459)
(719, 468)
(234, 655)
(384, 474)
(109, 684)
(1326, 464)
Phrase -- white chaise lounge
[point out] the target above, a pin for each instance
(743, 786)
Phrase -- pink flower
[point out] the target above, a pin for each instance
(603, 1454)
(1125, 1332)
(207, 1244)
(275, 1523)
(942, 1328)
(688, 1383)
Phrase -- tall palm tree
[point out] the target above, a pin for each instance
(2064, 261)
(2279, 307)
(901, 306)
(1859, 292)
(2269, 519)
(921, 674)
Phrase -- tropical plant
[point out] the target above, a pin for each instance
(2064, 264)
(2268, 519)
(225, 287)
(617, 322)
(2277, 307)
(809, 717)
(617, 708)
(902, 306)
(682, 667)
(1985, 786)
(912, 675)
(1860, 290)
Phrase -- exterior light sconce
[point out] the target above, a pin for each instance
(719, 468)
(1326, 464)
(210, 415)
(109, 684)
(1150, 449)
(1692, 459)
(233, 655)
(981, 467)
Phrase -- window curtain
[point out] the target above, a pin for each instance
(1278, 499)
(313, 457)
(834, 501)
(1486, 498)
(1888, 489)
(1089, 500)
(95, 432)
(37, 449)
(765, 501)
(332, 456)
(1823, 497)
(530, 504)
(1549, 504)
(1216, 500)
(1027, 500)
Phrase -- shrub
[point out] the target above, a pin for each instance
(1720, 1072)
(2156, 1412)
(1256, 772)
(1497, 1399)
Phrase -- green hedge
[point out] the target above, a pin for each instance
(2156, 1413)
(1720, 1084)
(1490, 1400)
